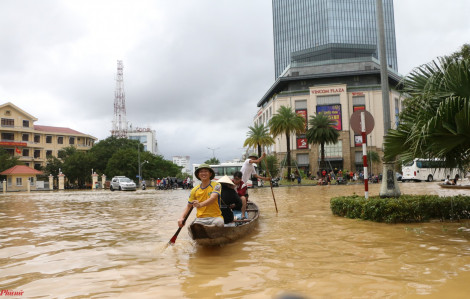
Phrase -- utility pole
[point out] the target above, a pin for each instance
(383, 66)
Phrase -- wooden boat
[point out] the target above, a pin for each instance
(211, 235)
(454, 186)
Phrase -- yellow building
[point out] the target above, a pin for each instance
(34, 143)
(20, 176)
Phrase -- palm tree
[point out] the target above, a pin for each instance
(322, 132)
(436, 120)
(286, 121)
(258, 137)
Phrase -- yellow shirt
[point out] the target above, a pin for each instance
(202, 194)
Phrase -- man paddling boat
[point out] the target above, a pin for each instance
(205, 197)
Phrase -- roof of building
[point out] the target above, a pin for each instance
(317, 71)
(19, 110)
(20, 169)
(57, 130)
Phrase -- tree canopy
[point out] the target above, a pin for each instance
(435, 122)
(257, 137)
(286, 122)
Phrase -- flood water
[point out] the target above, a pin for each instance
(95, 244)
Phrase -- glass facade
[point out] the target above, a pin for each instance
(315, 30)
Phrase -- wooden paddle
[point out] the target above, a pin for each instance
(271, 183)
(173, 239)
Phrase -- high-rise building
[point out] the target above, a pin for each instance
(182, 161)
(326, 56)
(318, 30)
(146, 136)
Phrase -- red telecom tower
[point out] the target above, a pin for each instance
(119, 129)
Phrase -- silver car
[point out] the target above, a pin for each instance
(122, 183)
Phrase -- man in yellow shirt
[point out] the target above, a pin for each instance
(206, 198)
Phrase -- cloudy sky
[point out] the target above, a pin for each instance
(193, 69)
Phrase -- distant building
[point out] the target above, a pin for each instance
(33, 144)
(182, 161)
(307, 31)
(146, 136)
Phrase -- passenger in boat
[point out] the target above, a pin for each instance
(454, 181)
(229, 198)
(447, 181)
(205, 197)
(242, 189)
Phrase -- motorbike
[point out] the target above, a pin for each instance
(275, 182)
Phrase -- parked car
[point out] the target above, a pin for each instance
(399, 176)
(122, 183)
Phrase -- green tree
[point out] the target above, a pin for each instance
(77, 167)
(258, 137)
(321, 131)
(53, 165)
(66, 152)
(273, 165)
(435, 122)
(105, 149)
(7, 160)
(123, 162)
(287, 122)
(464, 53)
(213, 161)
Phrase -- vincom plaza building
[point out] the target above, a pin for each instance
(327, 60)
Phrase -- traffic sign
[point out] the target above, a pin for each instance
(356, 124)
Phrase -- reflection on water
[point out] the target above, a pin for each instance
(114, 244)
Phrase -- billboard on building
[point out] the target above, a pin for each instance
(333, 112)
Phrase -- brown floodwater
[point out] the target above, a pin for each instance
(95, 244)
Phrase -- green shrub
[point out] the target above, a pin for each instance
(407, 208)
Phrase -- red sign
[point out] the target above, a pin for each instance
(302, 143)
(303, 113)
(360, 93)
(6, 143)
(355, 108)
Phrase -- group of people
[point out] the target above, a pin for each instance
(453, 181)
(211, 197)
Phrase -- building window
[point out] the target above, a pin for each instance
(8, 136)
(333, 150)
(25, 152)
(48, 154)
(9, 181)
(26, 123)
(37, 138)
(37, 153)
(302, 160)
(8, 122)
(25, 137)
(60, 140)
(37, 166)
(328, 100)
(48, 139)
(72, 140)
(19, 181)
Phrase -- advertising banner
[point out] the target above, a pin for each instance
(303, 113)
(333, 112)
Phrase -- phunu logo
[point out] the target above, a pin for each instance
(11, 293)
